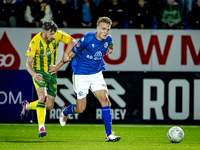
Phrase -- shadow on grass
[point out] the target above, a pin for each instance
(9, 139)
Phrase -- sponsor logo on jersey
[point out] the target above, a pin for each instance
(89, 56)
(48, 53)
(98, 55)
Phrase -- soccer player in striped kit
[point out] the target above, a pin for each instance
(41, 64)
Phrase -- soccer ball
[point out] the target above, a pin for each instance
(175, 134)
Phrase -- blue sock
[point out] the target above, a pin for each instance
(107, 119)
(69, 109)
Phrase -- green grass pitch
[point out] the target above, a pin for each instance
(92, 137)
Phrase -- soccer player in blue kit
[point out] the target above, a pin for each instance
(87, 66)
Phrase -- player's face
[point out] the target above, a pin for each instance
(102, 31)
(49, 35)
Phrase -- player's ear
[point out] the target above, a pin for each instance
(43, 31)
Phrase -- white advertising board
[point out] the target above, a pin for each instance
(134, 50)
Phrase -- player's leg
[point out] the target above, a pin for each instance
(79, 107)
(81, 90)
(46, 100)
(102, 96)
(100, 90)
(41, 110)
(51, 92)
(32, 105)
(26, 106)
(50, 102)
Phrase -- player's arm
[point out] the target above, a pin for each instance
(65, 59)
(71, 55)
(29, 68)
(110, 49)
(68, 55)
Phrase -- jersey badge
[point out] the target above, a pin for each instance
(78, 44)
(33, 42)
(80, 93)
(106, 44)
(29, 49)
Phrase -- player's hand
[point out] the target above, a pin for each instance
(65, 24)
(83, 24)
(109, 51)
(38, 77)
(89, 25)
(37, 24)
(66, 59)
(114, 24)
(52, 69)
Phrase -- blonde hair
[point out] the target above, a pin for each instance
(104, 20)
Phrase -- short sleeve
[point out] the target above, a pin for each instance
(63, 37)
(80, 45)
(31, 49)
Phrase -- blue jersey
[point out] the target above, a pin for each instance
(89, 54)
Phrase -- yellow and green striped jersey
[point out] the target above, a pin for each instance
(46, 54)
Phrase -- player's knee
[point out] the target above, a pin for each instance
(80, 109)
(43, 99)
(105, 101)
(49, 107)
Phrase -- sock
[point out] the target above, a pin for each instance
(69, 109)
(41, 125)
(32, 105)
(107, 119)
(41, 113)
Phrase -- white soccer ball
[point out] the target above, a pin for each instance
(175, 134)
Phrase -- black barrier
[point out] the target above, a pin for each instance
(137, 97)
(15, 86)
